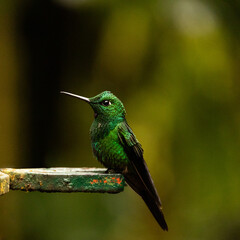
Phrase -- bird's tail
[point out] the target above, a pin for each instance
(155, 210)
(152, 201)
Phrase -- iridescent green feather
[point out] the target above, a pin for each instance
(107, 146)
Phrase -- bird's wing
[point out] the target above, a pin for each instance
(139, 168)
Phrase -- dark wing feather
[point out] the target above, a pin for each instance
(135, 153)
(137, 174)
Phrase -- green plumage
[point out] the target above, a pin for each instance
(107, 147)
(117, 148)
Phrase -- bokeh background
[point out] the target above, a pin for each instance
(174, 64)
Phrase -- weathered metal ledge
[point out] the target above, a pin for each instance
(68, 180)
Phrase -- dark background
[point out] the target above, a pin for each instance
(175, 66)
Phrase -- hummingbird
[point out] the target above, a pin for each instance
(117, 148)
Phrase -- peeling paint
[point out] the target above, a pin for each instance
(4, 183)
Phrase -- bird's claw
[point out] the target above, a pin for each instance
(109, 171)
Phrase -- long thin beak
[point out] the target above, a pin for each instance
(77, 96)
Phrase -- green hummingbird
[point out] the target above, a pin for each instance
(117, 148)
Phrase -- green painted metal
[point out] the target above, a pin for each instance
(4, 183)
(65, 180)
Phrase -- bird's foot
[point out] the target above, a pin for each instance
(109, 170)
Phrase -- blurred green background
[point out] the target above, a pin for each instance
(175, 66)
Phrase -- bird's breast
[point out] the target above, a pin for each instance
(107, 146)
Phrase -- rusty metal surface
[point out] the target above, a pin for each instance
(4, 183)
(65, 180)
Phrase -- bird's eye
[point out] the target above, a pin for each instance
(106, 103)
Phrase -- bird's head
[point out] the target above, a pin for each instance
(105, 105)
